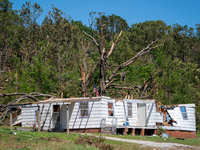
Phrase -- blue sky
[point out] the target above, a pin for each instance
(183, 12)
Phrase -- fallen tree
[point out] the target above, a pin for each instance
(24, 96)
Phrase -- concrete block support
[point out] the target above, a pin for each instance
(133, 132)
(142, 132)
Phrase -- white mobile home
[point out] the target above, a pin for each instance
(97, 114)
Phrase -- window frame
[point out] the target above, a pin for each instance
(81, 109)
(184, 113)
(112, 109)
(130, 109)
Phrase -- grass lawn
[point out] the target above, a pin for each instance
(54, 140)
(193, 142)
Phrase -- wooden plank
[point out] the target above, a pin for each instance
(67, 119)
(67, 100)
(10, 119)
(39, 125)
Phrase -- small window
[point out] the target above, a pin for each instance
(129, 108)
(183, 111)
(56, 108)
(110, 109)
(83, 109)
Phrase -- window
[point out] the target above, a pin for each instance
(183, 111)
(56, 108)
(110, 109)
(83, 108)
(129, 108)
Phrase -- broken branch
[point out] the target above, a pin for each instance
(139, 54)
(91, 38)
(114, 45)
(1, 88)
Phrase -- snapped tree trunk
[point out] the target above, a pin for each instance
(104, 60)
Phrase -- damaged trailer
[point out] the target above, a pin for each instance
(104, 114)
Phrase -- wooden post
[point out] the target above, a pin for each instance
(10, 119)
(39, 126)
(62, 95)
(67, 119)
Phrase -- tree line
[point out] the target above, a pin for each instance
(53, 57)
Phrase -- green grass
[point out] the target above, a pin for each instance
(53, 140)
(193, 142)
(39, 140)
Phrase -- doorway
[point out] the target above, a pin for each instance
(56, 116)
(141, 111)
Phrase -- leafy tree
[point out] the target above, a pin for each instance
(114, 24)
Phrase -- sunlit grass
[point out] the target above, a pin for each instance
(54, 140)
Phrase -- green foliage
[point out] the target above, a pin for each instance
(46, 57)
(160, 131)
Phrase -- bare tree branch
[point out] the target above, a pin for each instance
(88, 78)
(2, 88)
(92, 39)
(114, 45)
(139, 54)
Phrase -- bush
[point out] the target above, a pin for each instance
(92, 140)
(160, 131)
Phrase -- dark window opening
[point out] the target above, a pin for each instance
(56, 108)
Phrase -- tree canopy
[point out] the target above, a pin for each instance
(46, 58)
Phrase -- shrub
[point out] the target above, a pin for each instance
(160, 131)
(92, 140)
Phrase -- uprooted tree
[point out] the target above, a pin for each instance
(103, 63)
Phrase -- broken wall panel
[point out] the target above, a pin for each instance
(29, 115)
(184, 123)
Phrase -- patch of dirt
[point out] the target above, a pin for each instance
(53, 139)
(11, 137)
(96, 141)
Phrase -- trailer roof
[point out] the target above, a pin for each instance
(65, 100)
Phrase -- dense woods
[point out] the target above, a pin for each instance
(51, 57)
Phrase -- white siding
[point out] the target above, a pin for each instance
(98, 109)
(104, 109)
(28, 115)
(92, 121)
(133, 119)
(184, 124)
(151, 115)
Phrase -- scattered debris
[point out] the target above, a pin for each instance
(14, 133)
